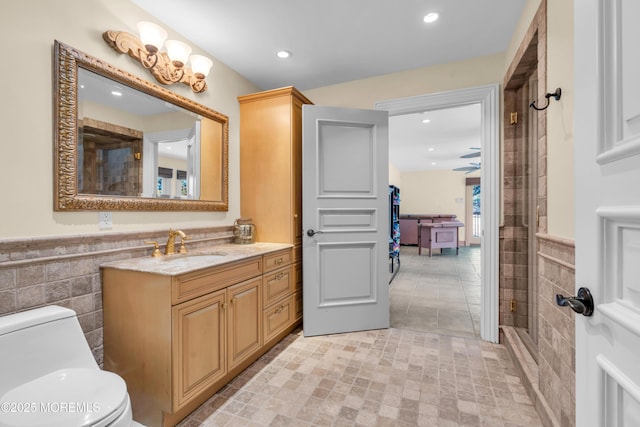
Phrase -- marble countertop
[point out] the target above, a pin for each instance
(197, 259)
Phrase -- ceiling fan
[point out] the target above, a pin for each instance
(472, 155)
(469, 169)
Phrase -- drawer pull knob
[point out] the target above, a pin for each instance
(279, 261)
(224, 305)
(279, 276)
(279, 309)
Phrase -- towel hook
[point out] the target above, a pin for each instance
(555, 95)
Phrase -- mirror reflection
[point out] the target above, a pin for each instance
(141, 146)
(123, 143)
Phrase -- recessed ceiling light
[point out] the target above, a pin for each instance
(426, 121)
(430, 149)
(283, 54)
(116, 93)
(430, 17)
(433, 163)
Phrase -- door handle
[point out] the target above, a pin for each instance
(581, 303)
(311, 232)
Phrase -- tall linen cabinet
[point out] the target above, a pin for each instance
(271, 168)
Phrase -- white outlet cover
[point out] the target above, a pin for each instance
(104, 220)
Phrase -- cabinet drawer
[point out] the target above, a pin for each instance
(276, 285)
(278, 317)
(191, 285)
(277, 259)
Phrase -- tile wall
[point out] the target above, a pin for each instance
(66, 271)
(554, 382)
(556, 327)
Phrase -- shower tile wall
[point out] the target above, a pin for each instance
(513, 235)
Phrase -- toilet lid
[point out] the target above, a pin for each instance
(64, 398)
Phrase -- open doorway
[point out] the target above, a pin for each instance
(486, 99)
(473, 213)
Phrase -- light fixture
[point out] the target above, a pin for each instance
(431, 17)
(167, 67)
(426, 121)
(283, 54)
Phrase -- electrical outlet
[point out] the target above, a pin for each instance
(104, 220)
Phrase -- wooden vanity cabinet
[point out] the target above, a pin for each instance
(176, 340)
(271, 191)
(271, 164)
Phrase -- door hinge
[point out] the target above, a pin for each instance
(513, 306)
(514, 118)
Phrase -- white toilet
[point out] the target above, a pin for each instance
(48, 376)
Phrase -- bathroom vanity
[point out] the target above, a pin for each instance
(178, 328)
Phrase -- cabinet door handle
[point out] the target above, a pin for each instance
(224, 305)
(279, 261)
(279, 276)
(279, 309)
(233, 300)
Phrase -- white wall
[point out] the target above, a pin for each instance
(434, 192)
(26, 149)
(439, 78)
(560, 143)
(395, 177)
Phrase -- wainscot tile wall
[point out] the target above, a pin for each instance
(556, 327)
(65, 270)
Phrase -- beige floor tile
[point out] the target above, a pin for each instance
(408, 375)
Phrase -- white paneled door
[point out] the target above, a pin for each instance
(345, 220)
(607, 152)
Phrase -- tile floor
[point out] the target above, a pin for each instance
(439, 294)
(394, 377)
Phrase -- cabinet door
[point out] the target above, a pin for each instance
(199, 337)
(245, 320)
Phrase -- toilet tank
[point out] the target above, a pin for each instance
(39, 341)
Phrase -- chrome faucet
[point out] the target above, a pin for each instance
(170, 249)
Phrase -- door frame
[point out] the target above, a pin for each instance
(487, 97)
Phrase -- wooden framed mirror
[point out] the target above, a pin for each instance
(123, 143)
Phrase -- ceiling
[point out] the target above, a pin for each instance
(335, 41)
(436, 139)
